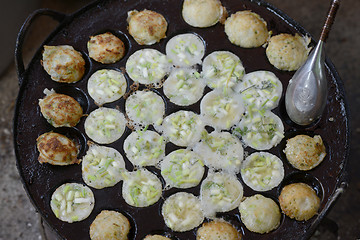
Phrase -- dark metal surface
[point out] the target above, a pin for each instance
(40, 180)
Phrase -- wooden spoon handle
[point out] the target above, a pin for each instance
(329, 20)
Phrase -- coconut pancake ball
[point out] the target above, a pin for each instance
(106, 48)
(146, 27)
(287, 52)
(246, 29)
(203, 13)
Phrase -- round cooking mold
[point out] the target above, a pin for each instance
(303, 177)
(75, 93)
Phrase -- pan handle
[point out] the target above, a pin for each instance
(19, 61)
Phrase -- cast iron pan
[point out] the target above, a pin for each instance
(40, 180)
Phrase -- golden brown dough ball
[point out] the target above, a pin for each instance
(246, 29)
(218, 230)
(56, 149)
(60, 110)
(106, 48)
(63, 63)
(299, 201)
(203, 13)
(109, 225)
(146, 27)
(260, 214)
(288, 52)
(304, 152)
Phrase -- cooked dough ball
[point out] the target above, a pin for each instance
(222, 110)
(220, 192)
(60, 110)
(182, 212)
(260, 90)
(109, 225)
(56, 149)
(72, 202)
(146, 27)
(145, 107)
(182, 128)
(147, 66)
(141, 188)
(260, 214)
(299, 201)
(288, 52)
(262, 171)
(260, 130)
(304, 152)
(144, 147)
(102, 167)
(246, 29)
(184, 86)
(156, 237)
(105, 125)
(221, 150)
(63, 63)
(203, 13)
(218, 230)
(106, 85)
(182, 168)
(106, 48)
(185, 50)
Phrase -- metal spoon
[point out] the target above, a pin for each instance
(306, 95)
